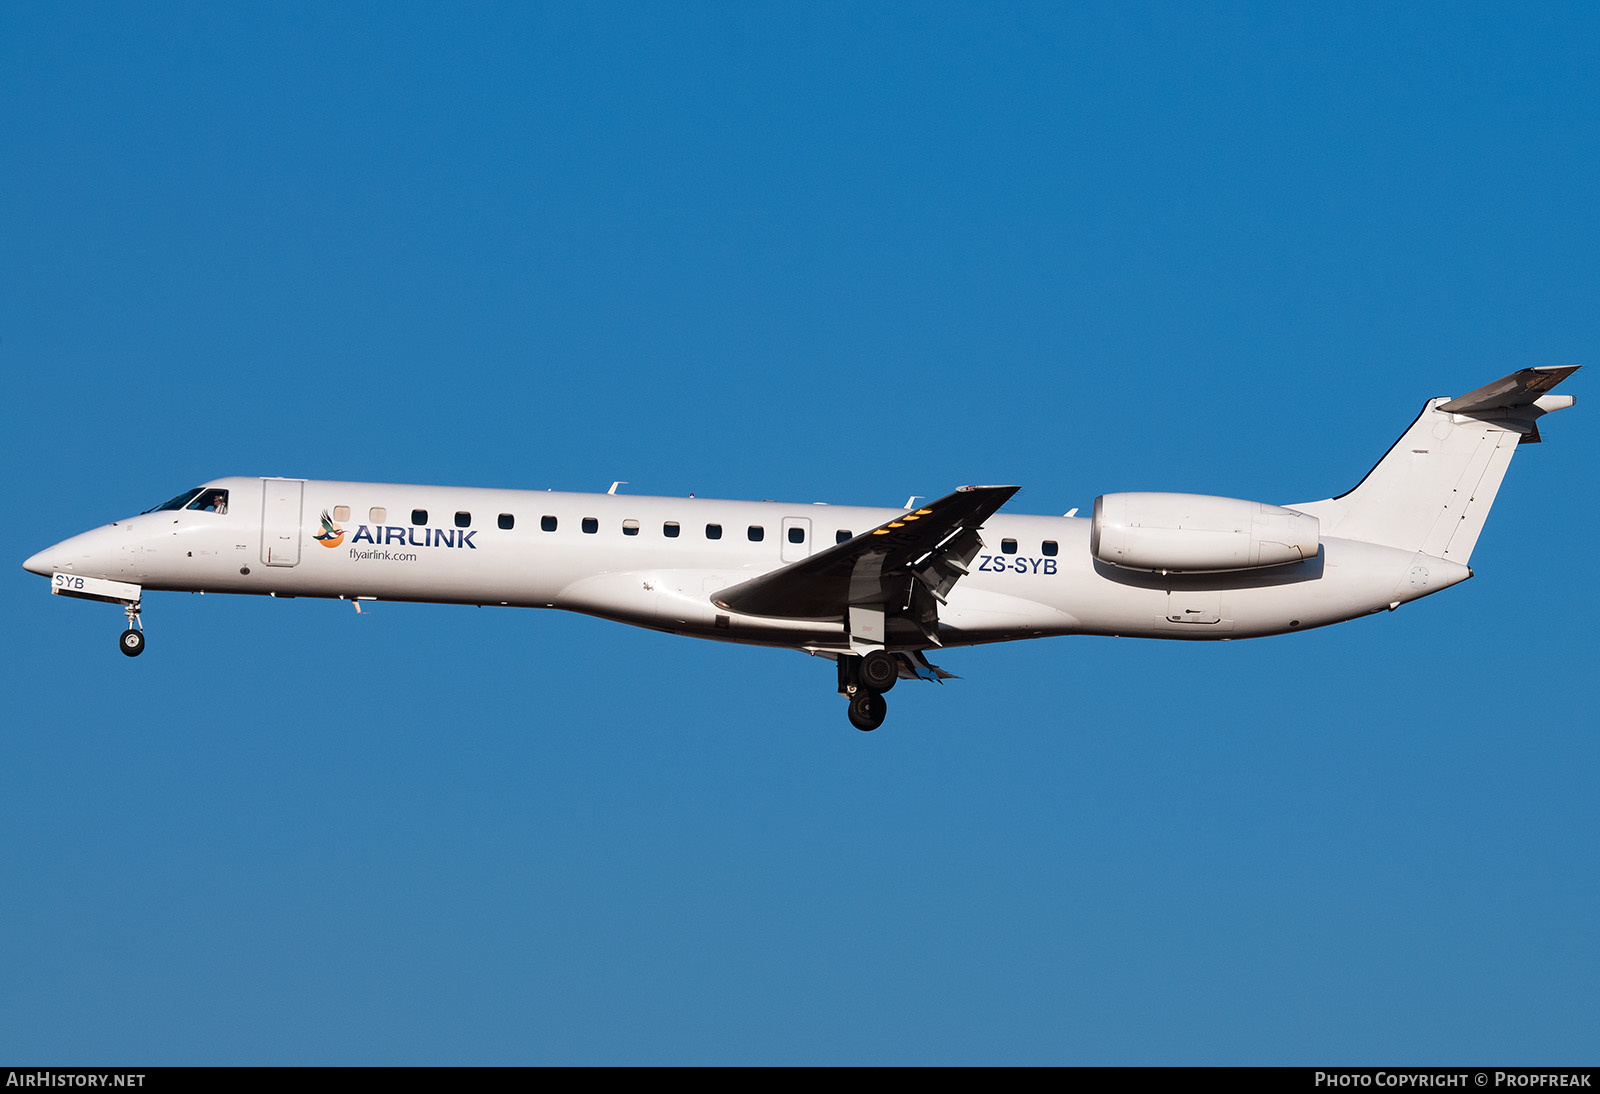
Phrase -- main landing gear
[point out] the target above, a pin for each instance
(863, 680)
(132, 640)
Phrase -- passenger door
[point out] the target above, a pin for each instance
(281, 502)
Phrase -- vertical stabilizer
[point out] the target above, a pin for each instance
(1432, 491)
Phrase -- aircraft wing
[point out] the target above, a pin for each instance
(932, 545)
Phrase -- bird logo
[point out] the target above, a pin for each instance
(332, 535)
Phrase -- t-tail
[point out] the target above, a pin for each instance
(1432, 491)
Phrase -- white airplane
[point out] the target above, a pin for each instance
(872, 589)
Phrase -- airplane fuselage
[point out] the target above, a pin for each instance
(657, 562)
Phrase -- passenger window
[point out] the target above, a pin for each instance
(1009, 546)
(419, 516)
(670, 529)
(1048, 547)
(713, 531)
(507, 521)
(843, 535)
(797, 534)
(463, 520)
(590, 526)
(630, 527)
(341, 512)
(377, 514)
(757, 533)
(547, 523)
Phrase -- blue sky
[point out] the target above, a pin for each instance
(813, 252)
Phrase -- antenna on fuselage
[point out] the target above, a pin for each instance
(619, 482)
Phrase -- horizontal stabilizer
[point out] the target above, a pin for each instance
(1519, 389)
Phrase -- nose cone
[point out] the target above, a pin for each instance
(93, 554)
(43, 562)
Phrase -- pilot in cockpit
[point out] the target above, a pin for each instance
(196, 500)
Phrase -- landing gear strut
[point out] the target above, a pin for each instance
(132, 640)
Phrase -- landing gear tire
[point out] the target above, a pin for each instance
(867, 710)
(878, 671)
(131, 642)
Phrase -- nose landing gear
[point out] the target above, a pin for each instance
(131, 641)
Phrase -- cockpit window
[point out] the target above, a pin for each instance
(180, 502)
(210, 501)
(203, 498)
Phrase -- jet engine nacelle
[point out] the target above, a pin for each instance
(1196, 533)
